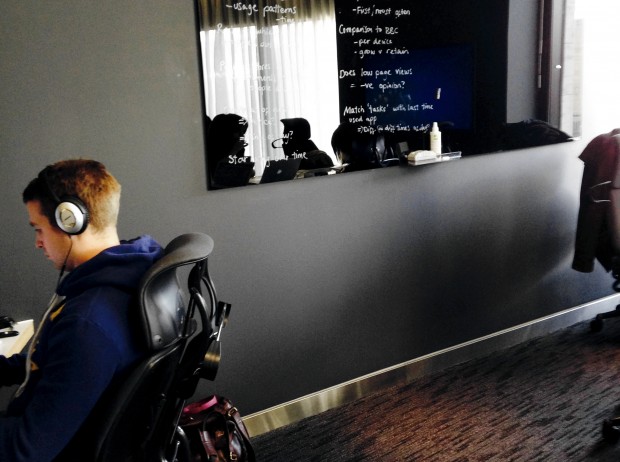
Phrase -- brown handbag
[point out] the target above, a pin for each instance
(216, 432)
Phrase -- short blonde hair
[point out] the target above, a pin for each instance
(87, 180)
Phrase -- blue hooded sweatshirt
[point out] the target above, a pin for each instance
(86, 342)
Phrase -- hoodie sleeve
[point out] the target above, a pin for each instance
(82, 362)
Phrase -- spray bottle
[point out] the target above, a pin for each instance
(436, 140)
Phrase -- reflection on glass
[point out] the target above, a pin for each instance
(268, 62)
(502, 75)
(228, 166)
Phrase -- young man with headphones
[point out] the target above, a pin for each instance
(85, 340)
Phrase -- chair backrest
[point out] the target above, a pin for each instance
(137, 417)
(162, 310)
(135, 412)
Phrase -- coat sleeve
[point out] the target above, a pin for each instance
(592, 235)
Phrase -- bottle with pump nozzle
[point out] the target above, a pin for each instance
(436, 140)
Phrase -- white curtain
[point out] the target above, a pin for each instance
(266, 66)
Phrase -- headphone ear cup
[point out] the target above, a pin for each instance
(71, 215)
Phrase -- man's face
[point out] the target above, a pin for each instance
(54, 242)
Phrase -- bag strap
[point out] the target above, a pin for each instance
(207, 444)
(233, 413)
(224, 409)
(235, 416)
(198, 407)
(221, 408)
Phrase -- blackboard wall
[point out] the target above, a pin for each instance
(329, 278)
(465, 43)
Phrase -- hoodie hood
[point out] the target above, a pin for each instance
(121, 266)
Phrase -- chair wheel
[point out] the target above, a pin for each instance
(596, 325)
(611, 433)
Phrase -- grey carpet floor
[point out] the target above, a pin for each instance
(543, 400)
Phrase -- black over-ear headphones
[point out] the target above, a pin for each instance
(71, 214)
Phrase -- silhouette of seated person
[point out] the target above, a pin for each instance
(226, 161)
(361, 148)
(297, 143)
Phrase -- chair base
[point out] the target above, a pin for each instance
(596, 325)
(611, 427)
(611, 430)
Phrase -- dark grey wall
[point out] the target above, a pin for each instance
(330, 278)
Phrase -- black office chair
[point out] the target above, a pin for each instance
(598, 224)
(136, 419)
